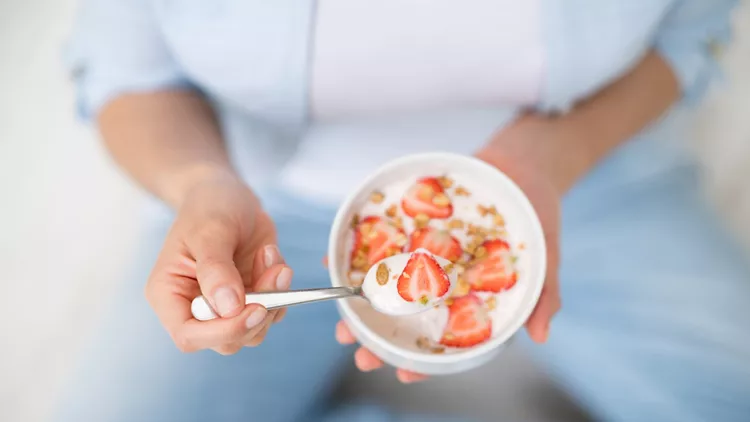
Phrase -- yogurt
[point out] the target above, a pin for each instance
(476, 219)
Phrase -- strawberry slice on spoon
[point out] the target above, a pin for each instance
(431, 285)
(423, 280)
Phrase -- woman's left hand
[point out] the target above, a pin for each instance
(519, 152)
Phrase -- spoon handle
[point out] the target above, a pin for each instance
(272, 300)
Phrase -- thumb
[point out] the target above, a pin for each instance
(219, 280)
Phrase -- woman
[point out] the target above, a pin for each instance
(252, 119)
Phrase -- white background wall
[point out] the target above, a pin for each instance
(68, 218)
(65, 214)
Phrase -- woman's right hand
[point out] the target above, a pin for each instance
(221, 245)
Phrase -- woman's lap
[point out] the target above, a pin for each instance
(655, 303)
(655, 306)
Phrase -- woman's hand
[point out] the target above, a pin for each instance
(519, 152)
(221, 245)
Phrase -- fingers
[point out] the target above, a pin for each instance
(220, 282)
(273, 275)
(549, 303)
(270, 279)
(408, 377)
(227, 349)
(270, 274)
(170, 297)
(276, 278)
(343, 335)
(256, 337)
(366, 361)
(325, 261)
(267, 258)
(252, 338)
(279, 315)
(538, 324)
(261, 336)
(195, 335)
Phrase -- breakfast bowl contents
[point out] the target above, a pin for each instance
(409, 283)
(424, 281)
(457, 216)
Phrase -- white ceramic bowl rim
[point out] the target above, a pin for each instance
(517, 321)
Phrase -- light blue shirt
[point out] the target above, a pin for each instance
(250, 57)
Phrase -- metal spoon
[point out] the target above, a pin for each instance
(273, 300)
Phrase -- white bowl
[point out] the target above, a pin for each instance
(521, 222)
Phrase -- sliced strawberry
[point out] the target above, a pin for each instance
(423, 279)
(493, 272)
(439, 242)
(468, 323)
(377, 239)
(427, 197)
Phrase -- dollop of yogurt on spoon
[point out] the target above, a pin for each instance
(409, 283)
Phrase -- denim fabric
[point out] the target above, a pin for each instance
(653, 325)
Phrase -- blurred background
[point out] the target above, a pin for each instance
(69, 219)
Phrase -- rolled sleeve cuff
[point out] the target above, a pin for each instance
(116, 48)
(691, 47)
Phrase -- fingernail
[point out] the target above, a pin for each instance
(256, 317)
(225, 300)
(271, 256)
(284, 279)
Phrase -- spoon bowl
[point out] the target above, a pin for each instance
(409, 283)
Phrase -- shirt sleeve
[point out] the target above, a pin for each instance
(688, 38)
(116, 47)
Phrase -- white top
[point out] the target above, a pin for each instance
(389, 72)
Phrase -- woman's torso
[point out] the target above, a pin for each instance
(315, 95)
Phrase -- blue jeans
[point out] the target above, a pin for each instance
(656, 305)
